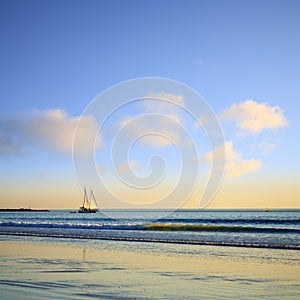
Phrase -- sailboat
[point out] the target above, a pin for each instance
(89, 205)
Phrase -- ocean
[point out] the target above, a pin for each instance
(277, 229)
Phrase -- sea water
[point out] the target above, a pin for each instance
(278, 229)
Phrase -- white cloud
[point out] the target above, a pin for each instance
(159, 134)
(236, 165)
(251, 117)
(164, 103)
(50, 130)
(158, 126)
(165, 137)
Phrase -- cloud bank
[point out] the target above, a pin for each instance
(49, 130)
(251, 117)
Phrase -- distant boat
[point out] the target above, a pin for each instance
(89, 206)
(266, 209)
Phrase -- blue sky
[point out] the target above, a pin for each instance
(59, 55)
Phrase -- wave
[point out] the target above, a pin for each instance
(154, 227)
(73, 226)
(255, 221)
(157, 240)
(217, 228)
(293, 221)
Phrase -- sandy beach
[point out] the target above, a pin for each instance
(49, 270)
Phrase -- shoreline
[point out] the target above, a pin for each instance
(159, 241)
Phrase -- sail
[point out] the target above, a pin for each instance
(89, 205)
(92, 201)
(85, 203)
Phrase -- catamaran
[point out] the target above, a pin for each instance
(89, 204)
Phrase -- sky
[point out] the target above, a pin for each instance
(241, 57)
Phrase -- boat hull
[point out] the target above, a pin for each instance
(87, 211)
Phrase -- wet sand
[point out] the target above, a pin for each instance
(62, 271)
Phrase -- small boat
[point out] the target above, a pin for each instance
(89, 206)
(266, 209)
